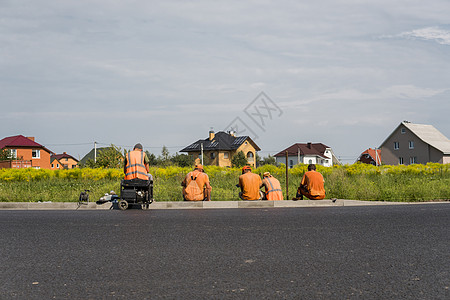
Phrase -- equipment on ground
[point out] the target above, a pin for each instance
(136, 191)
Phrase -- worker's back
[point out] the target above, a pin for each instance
(314, 182)
(135, 167)
(273, 188)
(250, 184)
(195, 183)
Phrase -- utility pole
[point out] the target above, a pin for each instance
(201, 147)
(376, 156)
(287, 177)
(95, 152)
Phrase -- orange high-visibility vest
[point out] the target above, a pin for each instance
(274, 191)
(135, 167)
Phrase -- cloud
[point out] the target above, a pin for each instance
(435, 34)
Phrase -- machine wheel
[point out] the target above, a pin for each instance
(123, 205)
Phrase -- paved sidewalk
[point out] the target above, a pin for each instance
(201, 204)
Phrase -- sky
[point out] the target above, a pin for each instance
(344, 73)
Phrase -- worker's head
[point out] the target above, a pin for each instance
(246, 169)
(138, 146)
(199, 167)
(266, 174)
(311, 167)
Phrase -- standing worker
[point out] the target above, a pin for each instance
(196, 185)
(312, 185)
(272, 187)
(250, 184)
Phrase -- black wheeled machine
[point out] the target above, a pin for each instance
(135, 191)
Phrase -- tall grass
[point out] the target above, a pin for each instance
(358, 181)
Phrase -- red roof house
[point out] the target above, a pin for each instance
(371, 156)
(63, 161)
(27, 151)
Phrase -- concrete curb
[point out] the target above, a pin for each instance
(202, 204)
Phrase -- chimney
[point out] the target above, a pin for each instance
(211, 135)
(309, 145)
(64, 153)
(30, 138)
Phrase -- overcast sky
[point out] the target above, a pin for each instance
(342, 73)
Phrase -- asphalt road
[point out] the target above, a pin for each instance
(372, 252)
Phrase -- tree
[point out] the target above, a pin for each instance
(152, 160)
(5, 154)
(110, 157)
(164, 159)
(183, 160)
(239, 160)
(269, 160)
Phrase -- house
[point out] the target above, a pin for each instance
(220, 147)
(413, 143)
(370, 156)
(27, 153)
(307, 153)
(63, 161)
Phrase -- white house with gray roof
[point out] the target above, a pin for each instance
(413, 143)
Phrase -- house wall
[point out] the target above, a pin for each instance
(293, 160)
(26, 154)
(247, 147)
(55, 165)
(225, 162)
(422, 151)
(446, 159)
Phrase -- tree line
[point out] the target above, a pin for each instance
(112, 157)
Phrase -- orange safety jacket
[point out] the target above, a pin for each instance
(135, 167)
(274, 191)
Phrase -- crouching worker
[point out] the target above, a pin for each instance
(196, 185)
(136, 165)
(250, 184)
(272, 187)
(311, 186)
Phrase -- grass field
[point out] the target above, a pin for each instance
(358, 181)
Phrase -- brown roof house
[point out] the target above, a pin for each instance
(307, 153)
(63, 161)
(27, 153)
(413, 143)
(220, 147)
(370, 156)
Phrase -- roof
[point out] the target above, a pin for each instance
(305, 149)
(63, 155)
(221, 141)
(373, 154)
(428, 134)
(20, 141)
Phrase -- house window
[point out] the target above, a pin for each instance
(36, 154)
(403, 130)
(396, 145)
(57, 166)
(213, 155)
(291, 163)
(310, 161)
(413, 160)
(225, 155)
(13, 153)
(400, 160)
(250, 156)
(411, 144)
(52, 165)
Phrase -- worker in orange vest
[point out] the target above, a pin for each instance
(136, 164)
(196, 186)
(312, 185)
(272, 187)
(250, 184)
